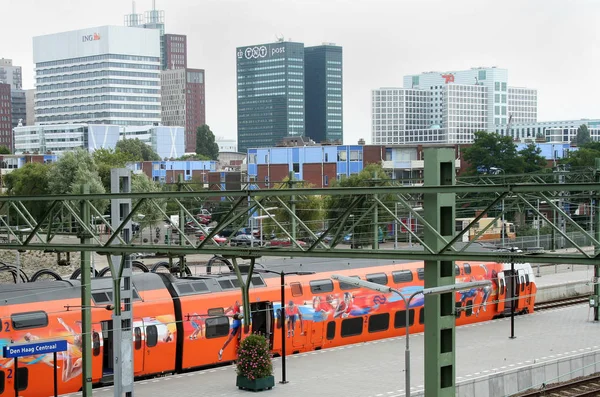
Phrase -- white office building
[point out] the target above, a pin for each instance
(458, 103)
(104, 75)
(167, 142)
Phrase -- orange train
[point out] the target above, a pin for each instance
(181, 324)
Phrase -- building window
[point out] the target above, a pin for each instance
(326, 180)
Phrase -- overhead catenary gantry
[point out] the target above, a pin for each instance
(49, 231)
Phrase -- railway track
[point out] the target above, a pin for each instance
(581, 387)
(561, 303)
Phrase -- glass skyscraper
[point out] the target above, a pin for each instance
(323, 92)
(270, 93)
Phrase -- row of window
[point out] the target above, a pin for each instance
(97, 58)
(91, 91)
(100, 65)
(90, 83)
(103, 106)
(100, 73)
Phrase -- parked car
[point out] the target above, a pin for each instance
(219, 239)
(245, 240)
(283, 242)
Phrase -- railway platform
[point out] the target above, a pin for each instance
(376, 369)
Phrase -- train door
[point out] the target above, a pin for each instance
(139, 346)
(107, 351)
(263, 319)
(316, 332)
(501, 292)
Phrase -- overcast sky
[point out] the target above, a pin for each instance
(551, 45)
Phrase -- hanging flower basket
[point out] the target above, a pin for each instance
(254, 366)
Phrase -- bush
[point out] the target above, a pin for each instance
(254, 358)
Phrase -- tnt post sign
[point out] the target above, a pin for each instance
(32, 349)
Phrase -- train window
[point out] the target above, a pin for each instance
(422, 315)
(321, 286)
(100, 298)
(2, 381)
(522, 282)
(296, 289)
(216, 327)
(469, 308)
(29, 320)
(402, 276)
(352, 326)
(421, 273)
(151, 336)
(257, 281)
(331, 330)
(345, 286)
(456, 270)
(96, 343)
(216, 311)
(185, 289)
(137, 337)
(377, 278)
(467, 268)
(527, 280)
(501, 286)
(458, 309)
(23, 378)
(379, 322)
(400, 318)
(226, 284)
(200, 286)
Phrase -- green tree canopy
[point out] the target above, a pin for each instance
(532, 158)
(585, 156)
(140, 183)
(308, 208)
(106, 159)
(205, 143)
(4, 150)
(74, 169)
(30, 180)
(371, 175)
(583, 135)
(491, 150)
(137, 150)
(189, 157)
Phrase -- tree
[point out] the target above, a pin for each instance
(585, 156)
(137, 150)
(532, 159)
(583, 135)
(30, 180)
(491, 150)
(309, 209)
(189, 157)
(106, 159)
(4, 150)
(152, 215)
(73, 170)
(205, 143)
(371, 175)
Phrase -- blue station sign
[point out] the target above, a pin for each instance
(32, 349)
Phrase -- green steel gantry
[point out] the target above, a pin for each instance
(365, 206)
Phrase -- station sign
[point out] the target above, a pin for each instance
(32, 349)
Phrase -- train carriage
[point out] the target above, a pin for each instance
(182, 324)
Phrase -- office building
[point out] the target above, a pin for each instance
(460, 103)
(182, 101)
(104, 75)
(18, 105)
(30, 106)
(153, 19)
(175, 52)
(270, 93)
(10, 74)
(168, 171)
(323, 93)
(551, 131)
(5, 116)
(167, 142)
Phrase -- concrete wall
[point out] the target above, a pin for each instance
(571, 289)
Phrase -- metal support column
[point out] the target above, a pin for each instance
(292, 204)
(120, 182)
(439, 209)
(181, 227)
(596, 209)
(86, 296)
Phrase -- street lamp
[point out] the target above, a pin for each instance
(282, 274)
(426, 291)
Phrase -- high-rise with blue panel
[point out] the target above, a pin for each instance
(323, 92)
(270, 93)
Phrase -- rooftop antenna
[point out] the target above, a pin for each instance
(280, 38)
